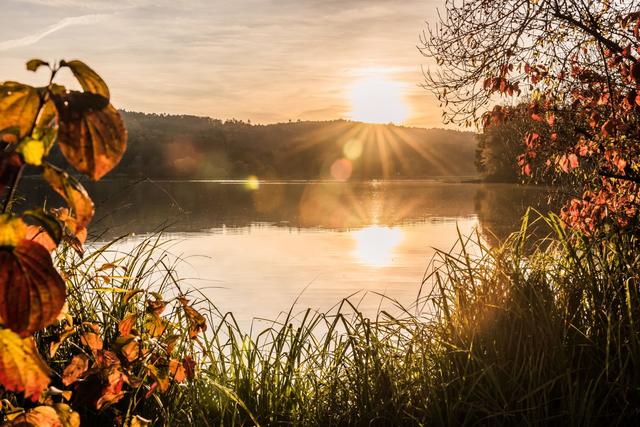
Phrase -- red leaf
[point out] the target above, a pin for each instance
(32, 293)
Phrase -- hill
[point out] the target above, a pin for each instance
(179, 146)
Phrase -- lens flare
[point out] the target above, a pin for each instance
(375, 245)
(252, 183)
(352, 149)
(341, 170)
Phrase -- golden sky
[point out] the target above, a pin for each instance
(263, 60)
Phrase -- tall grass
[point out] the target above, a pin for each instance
(531, 333)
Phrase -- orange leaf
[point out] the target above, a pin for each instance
(40, 235)
(177, 370)
(126, 325)
(92, 340)
(73, 193)
(74, 370)
(21, 367)
(129, 347)
(32, 293)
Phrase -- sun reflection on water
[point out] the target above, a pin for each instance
(375, 245)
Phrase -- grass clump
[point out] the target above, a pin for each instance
(533, 333)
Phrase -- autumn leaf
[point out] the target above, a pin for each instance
(32, 151)
(126, 325)
(12, 230)
(177, 370)
(21, 367)
(34, 64)
(75, 369)
(93, 140)
(155, 325)
(88, 79)
(113, 392)
(91, 340)
(197, 322)
(49, 224)
(19, 105)
(129, 347)
(189, 367)
(138, 421)
(32, 293)
(73, 193)
(39, 235)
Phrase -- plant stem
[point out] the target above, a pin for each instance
(12, 191)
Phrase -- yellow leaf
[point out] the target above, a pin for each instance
(12, 230)
(32, 151)
(19, 105)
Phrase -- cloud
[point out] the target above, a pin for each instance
(66, 22)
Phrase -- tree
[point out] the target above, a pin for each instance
(577, 60)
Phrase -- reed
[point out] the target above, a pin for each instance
(532, 332)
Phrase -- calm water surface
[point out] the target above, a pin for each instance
(255, 251)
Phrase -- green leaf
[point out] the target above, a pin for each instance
(89, 79)
(48, 221)
(93, 140)
(19, 105)
(34, 64)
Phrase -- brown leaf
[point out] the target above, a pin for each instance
(92, 140)
(189, 367)
(40, 416)
(75, 369)
(156, 307)
(74, 194)
(21, 367)
(19, 105)
(197, 322)
(113, 391)
(32, 293)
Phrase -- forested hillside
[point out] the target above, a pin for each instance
(165, 146)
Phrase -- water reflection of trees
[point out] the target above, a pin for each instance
(500, 208)
(143, 207)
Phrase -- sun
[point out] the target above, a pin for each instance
(375, 245)
(377, 99)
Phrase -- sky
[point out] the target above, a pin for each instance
(261, 60)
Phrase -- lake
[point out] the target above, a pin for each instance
(255, 249)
